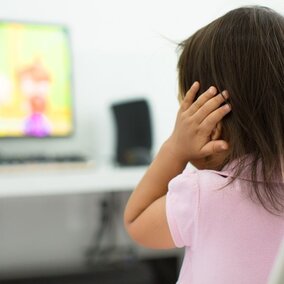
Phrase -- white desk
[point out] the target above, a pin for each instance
(17, 181)
(70, 226)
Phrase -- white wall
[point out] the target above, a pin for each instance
(121, 49)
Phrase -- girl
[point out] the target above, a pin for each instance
(228, 213)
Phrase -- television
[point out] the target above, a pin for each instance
(35, 80)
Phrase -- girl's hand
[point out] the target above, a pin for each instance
(191, 140)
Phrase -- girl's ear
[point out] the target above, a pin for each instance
(217, 131)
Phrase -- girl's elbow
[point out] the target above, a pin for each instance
(135, 233)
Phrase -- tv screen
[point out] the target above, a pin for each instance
(35, 80)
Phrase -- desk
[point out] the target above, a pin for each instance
(47, 235)
(31, 180)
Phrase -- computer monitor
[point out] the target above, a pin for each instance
(35, 80)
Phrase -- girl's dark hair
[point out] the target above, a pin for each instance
(243, 52)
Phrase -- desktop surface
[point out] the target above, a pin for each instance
(42, 180)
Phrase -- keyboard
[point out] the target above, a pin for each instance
(42, 159)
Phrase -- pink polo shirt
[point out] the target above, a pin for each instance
(228, 238)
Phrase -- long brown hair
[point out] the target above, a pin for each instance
(243, 52)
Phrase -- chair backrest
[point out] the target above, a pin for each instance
(277, 273)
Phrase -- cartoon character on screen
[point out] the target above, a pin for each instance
(35, 85)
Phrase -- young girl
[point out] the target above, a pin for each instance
(228, 213)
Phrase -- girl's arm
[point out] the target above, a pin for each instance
(145, 213)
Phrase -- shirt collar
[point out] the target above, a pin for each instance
(231, 169)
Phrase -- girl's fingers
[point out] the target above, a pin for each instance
(190, 95)
(209, 123)
(209, 106)
(211, 92)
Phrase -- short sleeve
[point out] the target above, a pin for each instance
(182, 203)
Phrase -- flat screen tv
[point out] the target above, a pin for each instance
(35, 80)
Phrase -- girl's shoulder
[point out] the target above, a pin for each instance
(229, 177)
(200, 179)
